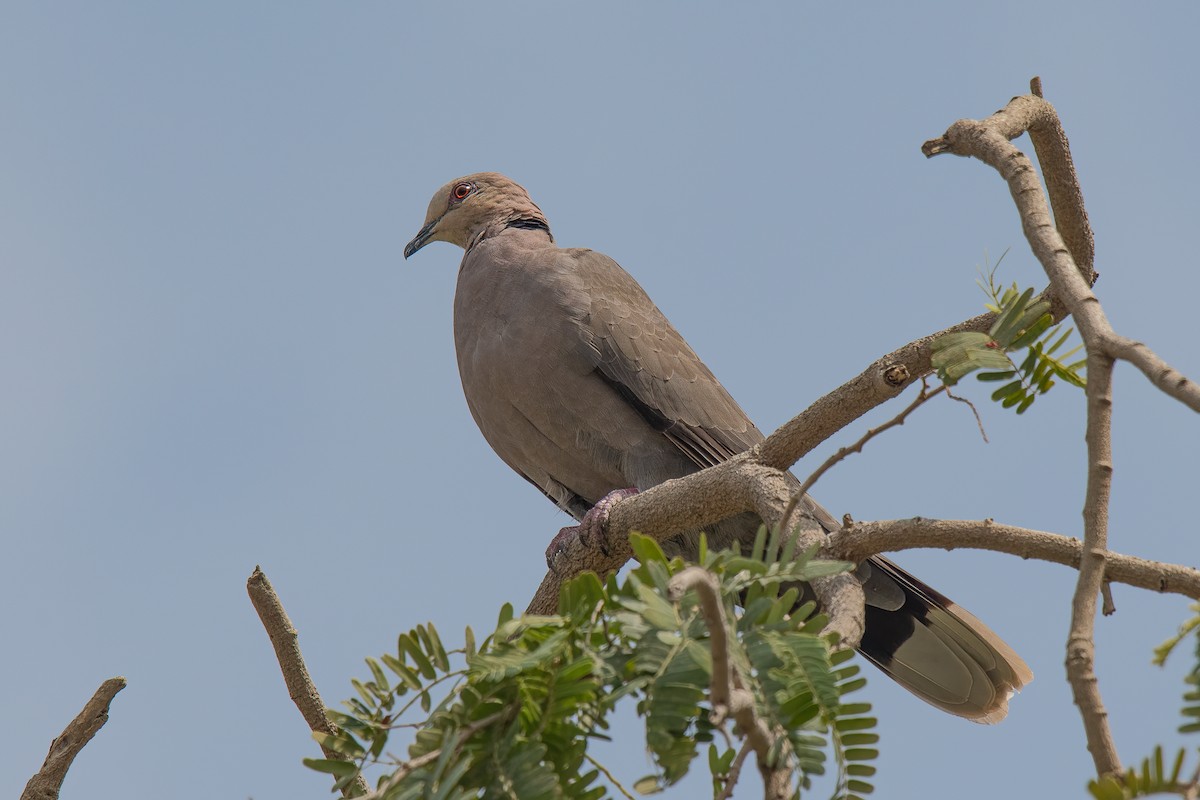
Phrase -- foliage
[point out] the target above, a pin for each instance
(1152, 778)
(1191, 697)
(1022, 321)
(517, 713)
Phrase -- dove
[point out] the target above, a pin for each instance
(583, 387)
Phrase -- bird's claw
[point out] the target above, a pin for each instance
(591, 529)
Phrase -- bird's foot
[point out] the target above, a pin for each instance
(590, 530)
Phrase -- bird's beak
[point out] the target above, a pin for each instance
(422, 238)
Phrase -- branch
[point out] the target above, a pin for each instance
(47, 783)
(301, 689)
(1065, 251)
(735, 772)
(729, 695)
(857, 447)
(1081, 642)
(988, 140)
(865, 539)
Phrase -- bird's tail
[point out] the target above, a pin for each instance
(936, 649)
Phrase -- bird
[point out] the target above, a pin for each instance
(582, 386)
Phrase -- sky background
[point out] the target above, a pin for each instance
(214, 355)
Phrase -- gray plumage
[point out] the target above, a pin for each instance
(582, 386)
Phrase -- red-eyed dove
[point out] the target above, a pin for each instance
(581, 385)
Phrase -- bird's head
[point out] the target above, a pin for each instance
(468, 208)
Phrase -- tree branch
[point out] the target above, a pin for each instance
(988, 140)
(865, 539)
(729, 695)
(1081, 642)
(301, 689)
(1065, 251)
(46, 784)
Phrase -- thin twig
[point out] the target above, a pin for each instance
(302, 690)
(735, 771)
(857, 447)
(974, 410)
(611, 778)
(1108, 607)
(47, 782)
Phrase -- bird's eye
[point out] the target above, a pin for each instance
(461, 191)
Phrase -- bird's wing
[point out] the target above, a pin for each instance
(643, 358)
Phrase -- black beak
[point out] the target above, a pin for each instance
(421, 239)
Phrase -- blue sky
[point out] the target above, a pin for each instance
(214, 355)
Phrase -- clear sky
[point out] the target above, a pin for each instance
(214, 356)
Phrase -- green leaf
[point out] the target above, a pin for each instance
(506, 615)
(1031, 333)
(1057, 343)
(332, 766)
(1008, 390)
(645, 549)
(1008, 322)
(406, 674)
(341, 742)
(409, 646)
(381, 681)
(435, 647)
(469, 642)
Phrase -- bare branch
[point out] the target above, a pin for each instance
(47, 783)
(301, 689)
(1108, 607)
(1166, 378)
(1081, 641)
(866, 539)
(1062, 184)
(988, 140)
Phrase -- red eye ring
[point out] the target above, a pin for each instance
(461, 191)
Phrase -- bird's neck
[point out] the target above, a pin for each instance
(518, 225)
(531, 223)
